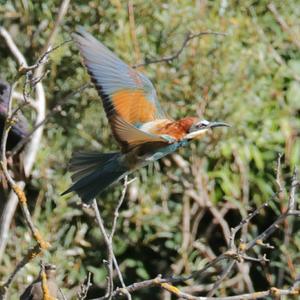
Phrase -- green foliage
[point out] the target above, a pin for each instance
(249, 78)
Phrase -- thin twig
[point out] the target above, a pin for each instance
(245, 221)
(41, 244)
(32, 253)
(108, 238)
(284, 26)
(116, 213)
(279, 177)
(224, 274)
(137, 51)
(56, 109)
(84, 288)
(62, 294)
(43, 59)
(6, 217)
(100, 223)
(289, 212)
(12, 46)
(188, 37)
(33, 146)
(234, 253)
(18, 191)
(161, 282)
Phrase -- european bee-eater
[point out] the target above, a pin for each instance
(136, 119)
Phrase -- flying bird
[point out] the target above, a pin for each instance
(138, 123)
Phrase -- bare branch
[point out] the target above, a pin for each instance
(62, 294)
(6, 217)
(100, 223)
(137, 51)
(56, 109)
(108, 238)
(12, 47)
(224, 274)
(164, 283)
(233, 254)
(18, 191)
(295, 183)
(279, 177)
(116, 213)
(188, 37)
(289, 212)
(33, 146)
(235, 230)
(59, 18)
(32, 253)
(84, 288)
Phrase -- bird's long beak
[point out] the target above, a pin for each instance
(198, 134)
(218, 124)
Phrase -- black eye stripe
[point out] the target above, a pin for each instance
(202, 124)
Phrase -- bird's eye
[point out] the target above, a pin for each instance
(202, 124)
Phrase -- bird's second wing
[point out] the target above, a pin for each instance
(124, 91)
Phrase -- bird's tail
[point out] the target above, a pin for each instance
(93, 172)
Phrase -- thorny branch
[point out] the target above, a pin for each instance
(188, 37)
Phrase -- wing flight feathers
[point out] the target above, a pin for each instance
(124, 91)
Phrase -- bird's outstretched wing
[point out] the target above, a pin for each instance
(128, 96)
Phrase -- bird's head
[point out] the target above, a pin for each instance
(200, 128)
(50, 270)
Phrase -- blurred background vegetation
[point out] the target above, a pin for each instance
(249, 78)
